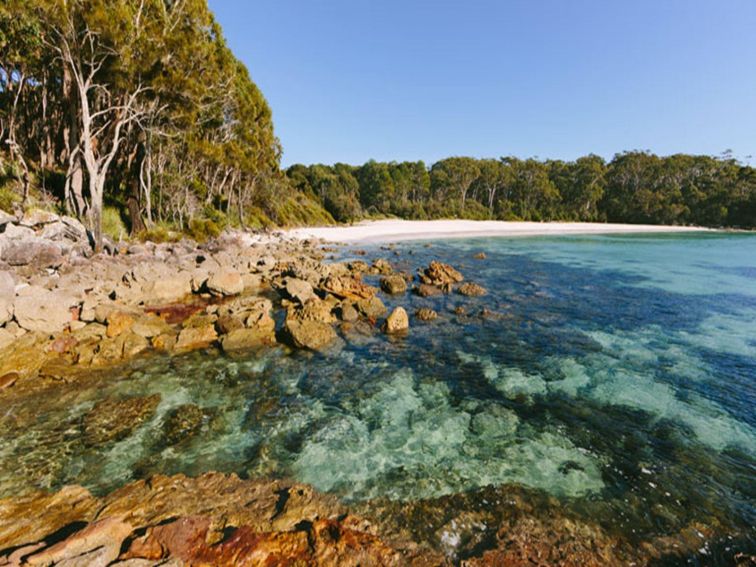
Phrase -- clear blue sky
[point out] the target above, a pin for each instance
(350, 80)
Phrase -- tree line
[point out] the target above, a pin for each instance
(634, 187)
(139, 109)
(137, 104)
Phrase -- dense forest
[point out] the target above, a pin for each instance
(135, 109)
(634, 187)
(134, 116)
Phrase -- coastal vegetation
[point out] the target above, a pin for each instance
(136, 117)
(634, 187)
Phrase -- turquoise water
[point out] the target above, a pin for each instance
(614, 373)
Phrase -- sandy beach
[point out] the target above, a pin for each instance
(398, 230)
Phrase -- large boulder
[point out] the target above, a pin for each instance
(397, 322)
(193, 338)
(313, 335)
(38, 309)
(32, 251)
(243, 338)
(225, 283)
(38, 218)
(6, 218)
(113, 420)
(313, 310)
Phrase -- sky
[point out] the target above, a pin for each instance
(353, 80)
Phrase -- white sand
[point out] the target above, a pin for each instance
(396, 230)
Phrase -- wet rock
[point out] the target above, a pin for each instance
(382, 267)
(8, 380)
(345, 287)
(225, 283)
(150, 326)
(241, 339)
(348, 313)
(165, 342)
(440, 274)
(42, 310)
(480, 256)
(133, 344)
(426, 290)
(227, 323)
(192, 338)
(182, 423)
(397, 322)
(394, 285)
(314, 310)
(471, 290)
(113, 420)
(372, 308)
(313, 335)
(426, 314)
(358, 267)
(118, 322)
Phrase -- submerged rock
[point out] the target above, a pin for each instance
(472, 290)
(372, 308)
(313, 335)
(426, 314)
(182, 423)
(113, 420)
(427, 290)
(394, 285)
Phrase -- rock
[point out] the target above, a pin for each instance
(252, 282)
(114, 420)
(42, 310)
(133, 344)
(6, 338)
(314, 310)
(118, 322)
(168, 289)
(7, 380)
(397, 322)
(298, 290)
(227, 323)
(348, 313)
(426, 290)
(240, 339)
(381, 266)
(372, 308)
(182, 422)
(426, 314)
(38, 217)
(345, 287)
(313, 335)
(32, 251)
(358, 267)
(480, 256)
(394, 285)
(7, 296)
(225, 283)
(150, 326)
(164, 342)
(14, 231)
(192, 338)
(440, 274)
(97, 545)
(5, 218)
(471, 290)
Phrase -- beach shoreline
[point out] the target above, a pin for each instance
(403, 230)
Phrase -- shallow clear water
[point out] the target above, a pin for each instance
(616, 373)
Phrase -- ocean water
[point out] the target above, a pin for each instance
(616, 374)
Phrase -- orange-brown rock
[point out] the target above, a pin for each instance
(118, 322)
(345, 287)
(438, 273)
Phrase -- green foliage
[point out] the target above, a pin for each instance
(635, 187)
(113, 225)
(203, 230)
(160, 233)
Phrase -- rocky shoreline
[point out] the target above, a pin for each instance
(65, 315)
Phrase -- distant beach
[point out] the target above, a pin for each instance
(397, 230)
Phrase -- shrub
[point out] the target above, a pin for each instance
(203, 230)
(113, 225)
